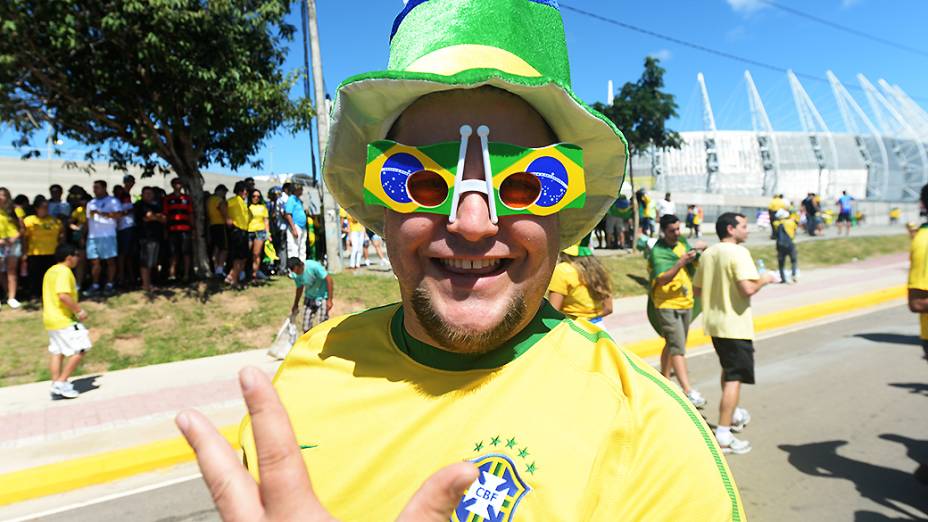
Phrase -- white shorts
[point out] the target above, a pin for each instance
(69, 341)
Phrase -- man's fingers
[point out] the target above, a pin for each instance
(439, 494)
(232, 488)
(285, 486)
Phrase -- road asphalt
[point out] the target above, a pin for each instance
(838, 429)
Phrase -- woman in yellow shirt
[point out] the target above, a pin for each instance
(43, 234)
(11, 250)
(581, 286)
(258, 230)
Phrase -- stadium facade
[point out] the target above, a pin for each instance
(880, 155)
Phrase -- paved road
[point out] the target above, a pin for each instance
(838, 427)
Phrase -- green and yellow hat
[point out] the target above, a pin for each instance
(581, 249)
(439, 45)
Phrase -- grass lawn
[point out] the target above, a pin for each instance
(185, 323)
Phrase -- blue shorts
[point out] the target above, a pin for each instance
(101, 247)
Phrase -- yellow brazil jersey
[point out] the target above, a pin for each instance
(354, 225)
(213, 213)
(239, 213)
(258, 215)
(678, 293)
(8, 225)
(918, 270)
(726, 311)
(789, 225)
(578, 302)
(42, 235)
(57, 280)
(79, 216)
(375, 416)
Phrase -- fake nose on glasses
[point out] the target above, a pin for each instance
(516, 180)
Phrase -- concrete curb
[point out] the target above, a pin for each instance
(73, 474)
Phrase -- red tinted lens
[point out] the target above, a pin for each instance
(519, 190)
(427, 188)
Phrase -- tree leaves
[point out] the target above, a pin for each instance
(641, 110)
(153, 83)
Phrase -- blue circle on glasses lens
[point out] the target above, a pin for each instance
(553, 177)
(394, 173)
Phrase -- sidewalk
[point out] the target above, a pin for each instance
(125, 418)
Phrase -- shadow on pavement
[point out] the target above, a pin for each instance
(917, 388)
(893, 489)
(916, 450)
(890, 338)
(86, 383)
(870, 516)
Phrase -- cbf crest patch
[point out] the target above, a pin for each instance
(495, 495)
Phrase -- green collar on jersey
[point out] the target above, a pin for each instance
(544, 321)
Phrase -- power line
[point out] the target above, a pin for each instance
(709, 50)
(844, 28)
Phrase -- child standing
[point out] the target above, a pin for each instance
(62, 316)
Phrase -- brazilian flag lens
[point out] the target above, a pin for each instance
(520, 190)
(427, 188)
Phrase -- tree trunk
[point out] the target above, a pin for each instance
(200, 255)
(631, 182)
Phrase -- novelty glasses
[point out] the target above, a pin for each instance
(518, 180)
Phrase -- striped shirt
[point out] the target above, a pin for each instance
(179, 211)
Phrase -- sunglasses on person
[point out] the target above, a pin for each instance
(517, 180)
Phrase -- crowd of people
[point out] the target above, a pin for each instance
(125, 240)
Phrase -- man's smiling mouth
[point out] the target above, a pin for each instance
(473, 266)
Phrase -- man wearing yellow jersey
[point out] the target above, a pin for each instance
(545, 418)
(217, 213)
(43, 233)
(238, 218)
(918, 275)
(784, 230)
(672, 263)
(62, 316)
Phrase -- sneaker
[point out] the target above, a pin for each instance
(260, 275)
(109, 290)
(696, 398)
(63, 390)
(740, 419)
(735, 446)
(93, 291)
(14, 304)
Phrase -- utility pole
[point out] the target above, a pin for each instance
(329, 208)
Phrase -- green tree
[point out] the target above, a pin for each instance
(641, 110)
(165, 85)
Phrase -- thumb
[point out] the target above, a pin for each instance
(439, 494)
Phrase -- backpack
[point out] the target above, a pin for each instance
(784, 242)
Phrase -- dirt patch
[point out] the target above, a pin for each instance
(261, 337)
(234, 305)
(131, 346)
(97, 333)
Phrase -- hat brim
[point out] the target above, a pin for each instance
(366, 106)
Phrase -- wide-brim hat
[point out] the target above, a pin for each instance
(440, 45)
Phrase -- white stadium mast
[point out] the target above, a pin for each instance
(880, 105)
(910, 110)
(876, 184)
(766, 138)
(710, 141)
(814, 125)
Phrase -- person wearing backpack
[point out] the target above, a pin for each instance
(784, 228)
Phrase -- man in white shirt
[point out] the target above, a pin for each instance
(665, 207)
(103, 212)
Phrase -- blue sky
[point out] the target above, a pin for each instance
(354, 38)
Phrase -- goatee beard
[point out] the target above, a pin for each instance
(453, 338)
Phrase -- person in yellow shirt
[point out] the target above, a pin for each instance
(554, 420)
(62, 317)
(258, 230)
(11, 248)
(725, 280)
(784, 229)
(918, 275)
(217, 213)
(356, 237)
(580, 287)
(43, 235)
(239, 218)
(672, 262)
